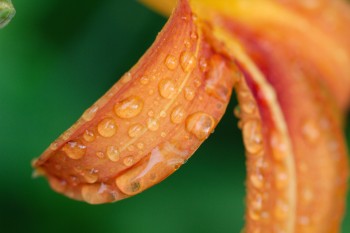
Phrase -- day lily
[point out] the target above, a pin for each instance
(289, 63)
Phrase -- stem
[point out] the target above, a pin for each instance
(7, 11)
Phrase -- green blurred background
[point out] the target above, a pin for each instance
(56, 58)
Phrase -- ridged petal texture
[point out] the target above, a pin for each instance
(289, 62)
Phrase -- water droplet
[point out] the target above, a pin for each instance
(254, 214)
(281, 178)
(107, 128)
(248, 107)
(135, 130)
(113, 153)
(96, 194)
(74, 150)
(90, 176)
(189, 93)
(311, 131)
(200, 124)
(140, 145)
(144, 80)
(281, 210)
(166, 88)
(90, 113)
(187, 61)
(126, 78)
(129, 107)
(304, 220)
(194, 35)
(54, 146)
(279, 147)
(307, 195)
(252, 136)
(257, 181)
(203, 65)
(178, 114)
(131, 148)
(89, 136)
(162, 114)
(187, 43)
(128, 161)
(100, 155)
(171, 62)
(197, 82)
(150, 113)
(58, 185)
(257, 203)
(152, 124)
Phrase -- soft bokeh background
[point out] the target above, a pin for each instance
(56, 58)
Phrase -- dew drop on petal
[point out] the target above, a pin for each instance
(144, 80)
(89, 136)
(96, 194)
(252, 136)
(200, 124)
(90, 176)
(129, 107)
(100, 155)
(90, 113)
(135, 130)
(74, 150)
(281, 210)
(178, 114)
(187, 61)
(152, 124)
(113, 153)
(171, 62)
(166, 88)
(189, 93)
(107, 128)
(311, 131)
(128, 161)
(256, 180)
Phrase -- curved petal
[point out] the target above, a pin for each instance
(149, 123)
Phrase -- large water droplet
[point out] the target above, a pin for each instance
(252, 136)
(187, 61)
(96, 194)
(152, 124)
(167, 88)
(171, 62)
(90, 113)
(90, 176)
(74, 150)
(107, 128)
(178, 114)
(89, 136)
(129, 107)
(135, 130)
(200, 124)
(113, 153)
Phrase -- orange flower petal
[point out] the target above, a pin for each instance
(149, 123)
